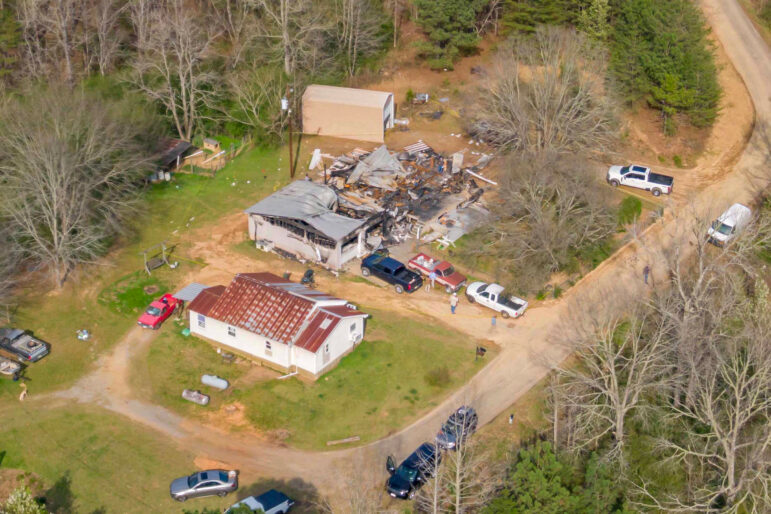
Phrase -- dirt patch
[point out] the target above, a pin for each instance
(256, 374)
(202, 462)
(12, 479)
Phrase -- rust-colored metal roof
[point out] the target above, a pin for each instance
(272, 307)
(206, 299)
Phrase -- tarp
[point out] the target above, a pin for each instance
(312, 203)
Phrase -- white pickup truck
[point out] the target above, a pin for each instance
(491, 296)
(640, 177)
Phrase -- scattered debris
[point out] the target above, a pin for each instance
(420, 98)
(343, 441)
(83, 335)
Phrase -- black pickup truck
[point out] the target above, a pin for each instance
(392, 271)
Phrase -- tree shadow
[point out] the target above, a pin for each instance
(2, 457)
(305, 494)
(59, 498)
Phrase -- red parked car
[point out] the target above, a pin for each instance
(445, 273)
(158, 311)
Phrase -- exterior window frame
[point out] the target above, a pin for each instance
(231, 331)
(201, 321)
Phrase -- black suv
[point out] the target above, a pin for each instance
(392, 271)
(460, 425)
(413, 472)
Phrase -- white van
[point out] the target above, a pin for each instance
(730, 223)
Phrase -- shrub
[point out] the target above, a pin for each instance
(677, 160)
(629, 210)
(438, 377)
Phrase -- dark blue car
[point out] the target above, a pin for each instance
(413, 472)
(391, 271)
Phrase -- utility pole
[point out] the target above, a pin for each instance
(286, 106)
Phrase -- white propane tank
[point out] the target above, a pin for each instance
(215, 381)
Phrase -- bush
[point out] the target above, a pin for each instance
(677, 160)
(438, 377)
(629, 210)
(410, 96)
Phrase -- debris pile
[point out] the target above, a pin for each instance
(420, 192)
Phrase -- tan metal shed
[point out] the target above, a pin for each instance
(348, 113)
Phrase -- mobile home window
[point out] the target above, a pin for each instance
(232, 331)
(326, 348)
(202, 321)
(353, 328)
(267, 346)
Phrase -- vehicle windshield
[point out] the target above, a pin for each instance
(483, 288)
(192, 480)
(153, 311)
(722, 227)
(449, 271)
(625, 170)
(409, 474)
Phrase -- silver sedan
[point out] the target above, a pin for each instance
(204, 483)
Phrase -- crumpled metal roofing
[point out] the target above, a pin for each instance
(378, 169)
(312, 203)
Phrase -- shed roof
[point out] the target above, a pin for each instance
(190, 291)
(346, 96)
(309, 202)
(206, 300)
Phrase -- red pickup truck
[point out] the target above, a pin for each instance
(445, 273)
(158, 312)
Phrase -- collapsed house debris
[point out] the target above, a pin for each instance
(415, 188)
(365, 200)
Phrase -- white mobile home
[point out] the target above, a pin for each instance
(282, 324)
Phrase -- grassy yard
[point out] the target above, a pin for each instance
(106, 298)
(91, 461)
(402, 368)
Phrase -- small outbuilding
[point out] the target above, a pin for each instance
(347, 113)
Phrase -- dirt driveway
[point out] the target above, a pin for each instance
(528, 350)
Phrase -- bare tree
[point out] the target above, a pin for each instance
(488, 18)
(396, 8)
(169, 68)
(547, 94)
(726, 427)
(252, 98)
(549, 210)
(238, 24)
(141, 15)
(358, 24)
(50, 37)
(10, 257)
(70, 165)
(297, 29)
(103, 19)
(619, 362)
(361, 490)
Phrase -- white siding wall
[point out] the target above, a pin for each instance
(339, 342)
(244, 340)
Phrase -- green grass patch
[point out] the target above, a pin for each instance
(128, 295)
(629, 210)
(403, 367)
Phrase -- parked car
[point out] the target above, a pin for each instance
(8, 367)
(460, 425)
(271, 502)
(22, 344)
(640, 177)
(445, 273)
(204, 483)
(391, 271)
(729, 224)
(491, 295)
(158, 312)
(413, 472)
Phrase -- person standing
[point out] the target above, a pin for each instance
(646, 272)
(431, 280)
(453, 302)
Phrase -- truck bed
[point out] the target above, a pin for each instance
(664, 180)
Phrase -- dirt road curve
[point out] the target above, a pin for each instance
(528, 351)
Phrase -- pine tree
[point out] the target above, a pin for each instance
(527, 15)
(660, 53)
(450, 25)
(594, 21)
